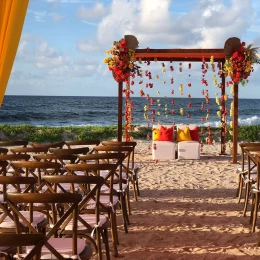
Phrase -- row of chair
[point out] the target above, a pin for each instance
(109, 167)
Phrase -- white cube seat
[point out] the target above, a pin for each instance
(163, 150)
(188, 150)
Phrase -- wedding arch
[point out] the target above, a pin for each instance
(230, 57)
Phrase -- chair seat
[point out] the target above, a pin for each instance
(239, 168)
(90, 219)
(252, 177)
(62, 245)
(136, 166)
(104, 199)
(124, 176)
(38, 217)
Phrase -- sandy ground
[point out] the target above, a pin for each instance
(187, 210)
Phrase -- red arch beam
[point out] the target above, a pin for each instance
(180, 54)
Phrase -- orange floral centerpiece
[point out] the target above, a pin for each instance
(122, 61)
(239, 65)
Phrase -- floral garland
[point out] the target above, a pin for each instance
(239, 65)
(122, 64)
(122, 61)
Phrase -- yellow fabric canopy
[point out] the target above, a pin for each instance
(12, 14)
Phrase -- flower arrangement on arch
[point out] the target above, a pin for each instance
(122, 61)
(239, 65)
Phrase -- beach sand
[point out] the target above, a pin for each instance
(187, 210)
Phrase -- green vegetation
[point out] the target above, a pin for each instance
(54, 134)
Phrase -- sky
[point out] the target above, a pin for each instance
(64, 42)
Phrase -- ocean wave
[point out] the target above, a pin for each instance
(254, 120)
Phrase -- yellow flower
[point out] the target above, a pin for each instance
(107, 52)
(131, 66)
(106, 60)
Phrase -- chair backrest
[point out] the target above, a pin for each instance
(17, 184)
(19, 240)
(124, 144)
(36, 169)
(89, 186)
(81, 150)
(72, 144)
(47, 145)
(10, 143)
(13, 157)
(3, 150)
(30, 150)
(126, 150)
(63, 159)
(71, 200)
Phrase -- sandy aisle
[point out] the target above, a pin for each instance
(187, 210)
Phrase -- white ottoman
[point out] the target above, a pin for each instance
(188, 150)
(165, 150)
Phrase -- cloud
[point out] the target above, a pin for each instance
(94, 13)
(56, 17)
(87, 45)
(39, 16)
(155, 23)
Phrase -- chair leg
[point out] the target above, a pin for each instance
(98, 241)
(114, 235)
(246, 199)
(241, 184)
(128, 201)
(134, 189)
(137, 183)
(105, 241)
(124, 212)
(252, 210)
(256, 205)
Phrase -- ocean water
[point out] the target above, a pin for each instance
(102, 111)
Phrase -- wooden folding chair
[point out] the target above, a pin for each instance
(6, 218)
(108, 200)
(53, 246)
(133, 167)
(37, 170)
(123, 186)
(254, 191)
(242, 169)
(13, 157)
(88, 223)
(250, 177)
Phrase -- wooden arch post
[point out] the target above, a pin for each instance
(231, 45)
(120, 113)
